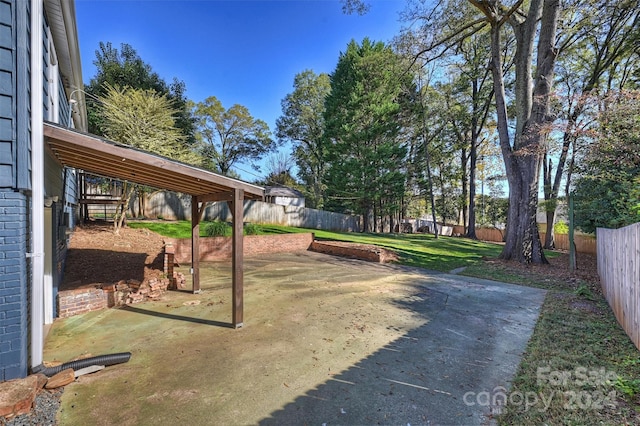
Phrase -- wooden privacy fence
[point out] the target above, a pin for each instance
(485, 234)
(619, 270)
(172, 206)
(584, 243)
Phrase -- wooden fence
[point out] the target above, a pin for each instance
(484, 234)
(585, 243)
(619, 270)
(172, 206)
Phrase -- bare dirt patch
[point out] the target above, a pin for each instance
(586, 273)
(98, 256)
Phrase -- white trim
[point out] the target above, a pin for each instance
(53, 83)
(37, 186)
(48, 266)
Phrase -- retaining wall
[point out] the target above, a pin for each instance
(219, 248)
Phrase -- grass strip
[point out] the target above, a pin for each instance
(579, 368)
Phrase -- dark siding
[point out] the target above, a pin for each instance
(13, 289)
(22, 142)
(7, 94)
(63, 105)
(15, 153)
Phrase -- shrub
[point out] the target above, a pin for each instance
(251, 229)
(217, 229)
(560, 228)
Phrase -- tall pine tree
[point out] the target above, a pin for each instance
(362, 123)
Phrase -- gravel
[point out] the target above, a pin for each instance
(43, 413)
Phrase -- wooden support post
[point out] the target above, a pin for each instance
(195, 244)
(237, 258)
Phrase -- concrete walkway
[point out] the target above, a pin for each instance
(326, 341)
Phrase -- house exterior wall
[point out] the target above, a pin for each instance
(15, 148)
(13, 289)
(15, 180)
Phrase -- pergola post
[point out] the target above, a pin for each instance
(195, 244)
(237, 257)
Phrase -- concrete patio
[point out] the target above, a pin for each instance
(325, 340)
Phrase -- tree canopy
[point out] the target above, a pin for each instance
(125, 68)
(229, 136)
(607, 192)
(363, 115)
(302, 124)
(143, 119)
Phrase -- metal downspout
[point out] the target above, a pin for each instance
(37, 186)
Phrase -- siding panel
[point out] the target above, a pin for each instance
(7, 95)
(5, 35)
(6, 83)
(63, 105)
(5, 13)
(21, 102)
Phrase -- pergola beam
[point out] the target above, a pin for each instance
(220, 196)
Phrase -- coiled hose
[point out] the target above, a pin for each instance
(105, 360)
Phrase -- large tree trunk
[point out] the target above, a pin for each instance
(473, 154)
(465, 192)
(471, 230)
(552, 189)
(549, 240)
(523, 159)
(522, 242)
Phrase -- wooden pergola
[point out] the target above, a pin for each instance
(106, 158)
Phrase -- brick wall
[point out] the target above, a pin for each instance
(80, 301)
(83, 300)
(13, 285)
(337, 249)
(219, 248)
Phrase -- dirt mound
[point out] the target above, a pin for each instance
(99, 256)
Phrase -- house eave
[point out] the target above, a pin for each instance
(62, 23)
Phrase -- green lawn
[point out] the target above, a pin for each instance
(421, 250)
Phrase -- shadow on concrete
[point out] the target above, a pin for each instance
(473, 336)
(130, 308)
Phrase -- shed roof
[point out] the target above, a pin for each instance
(100, 156)
(282, 191)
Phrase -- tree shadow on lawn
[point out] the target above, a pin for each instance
(435, 262)
(474, 335)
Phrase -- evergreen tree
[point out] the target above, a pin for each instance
(362, 124)
(124, 68)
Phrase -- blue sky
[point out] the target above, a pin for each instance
(242, 52)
